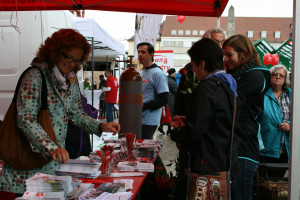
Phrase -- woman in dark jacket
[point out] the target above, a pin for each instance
(205, 137)
(242, 62)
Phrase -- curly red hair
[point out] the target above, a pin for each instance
(60, 41)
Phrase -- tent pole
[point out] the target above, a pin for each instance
(294, 163)
(92, 85)
(93, 71)
(218, 22)
(106, 59)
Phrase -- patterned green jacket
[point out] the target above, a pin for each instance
(64, 107)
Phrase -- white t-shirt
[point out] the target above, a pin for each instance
(154, 82)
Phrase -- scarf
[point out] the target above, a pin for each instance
(63, 82)
(243, 69)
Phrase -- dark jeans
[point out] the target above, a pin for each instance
(109, 111)
(241, 188)
(148, 131)
(101, 108)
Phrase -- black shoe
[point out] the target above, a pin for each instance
(169, 132)
(160, 129)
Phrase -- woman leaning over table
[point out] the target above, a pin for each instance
(59, 59)
(275, 123)
(253, 80)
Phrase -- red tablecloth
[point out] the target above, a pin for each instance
(137, 180)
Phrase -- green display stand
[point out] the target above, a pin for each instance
(284, 51)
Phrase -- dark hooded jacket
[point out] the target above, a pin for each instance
(208, 130)
(252, 83)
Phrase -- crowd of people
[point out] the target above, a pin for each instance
(228, 85)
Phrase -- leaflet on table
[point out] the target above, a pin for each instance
(44, 196)
(49, 183)
(128, 183)
(102, 189)
(112, 187)
(98, 195)
(126, 174)
(79, 168)
(136, 166)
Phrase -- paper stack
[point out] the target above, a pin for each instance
(79, 169)
(107, 191)
(136, 166)
(44, 183)
(44, 196)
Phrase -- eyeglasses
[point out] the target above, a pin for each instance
(70, 59)
(280, 75)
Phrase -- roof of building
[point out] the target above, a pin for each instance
(242, 26)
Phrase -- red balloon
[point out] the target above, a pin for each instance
(180, 18)
(268, 59)
(275, 59)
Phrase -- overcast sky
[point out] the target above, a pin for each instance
(121, 25)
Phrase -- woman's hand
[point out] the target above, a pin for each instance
(61, 155)
(111, 127)
(284, 126)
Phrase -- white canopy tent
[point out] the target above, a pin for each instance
(104, 44)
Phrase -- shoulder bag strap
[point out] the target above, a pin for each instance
(232, 130)
(44, 87)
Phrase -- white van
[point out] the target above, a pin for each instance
(21, 34)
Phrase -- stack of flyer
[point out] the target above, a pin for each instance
(107, 191)
(148, 148)
(47, 186)
(79, 169)
(136, 166)
(41, 195)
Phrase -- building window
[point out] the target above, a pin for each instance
(187, 32)
(166, 43)
(172, 44)
(291, 25)
(180, 32)
(263, 34)
(250, 34)
(173, 32)
(179, 44)
(195, 32)
(202, 32)
(277, 34)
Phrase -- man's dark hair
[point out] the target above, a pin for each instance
(208, 51)
(109, 70)
(150, 47)
(101, 76)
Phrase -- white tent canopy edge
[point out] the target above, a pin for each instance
(104, 44)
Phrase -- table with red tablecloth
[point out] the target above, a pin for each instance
(137, 181)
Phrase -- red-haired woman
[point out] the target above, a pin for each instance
(59, 59)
